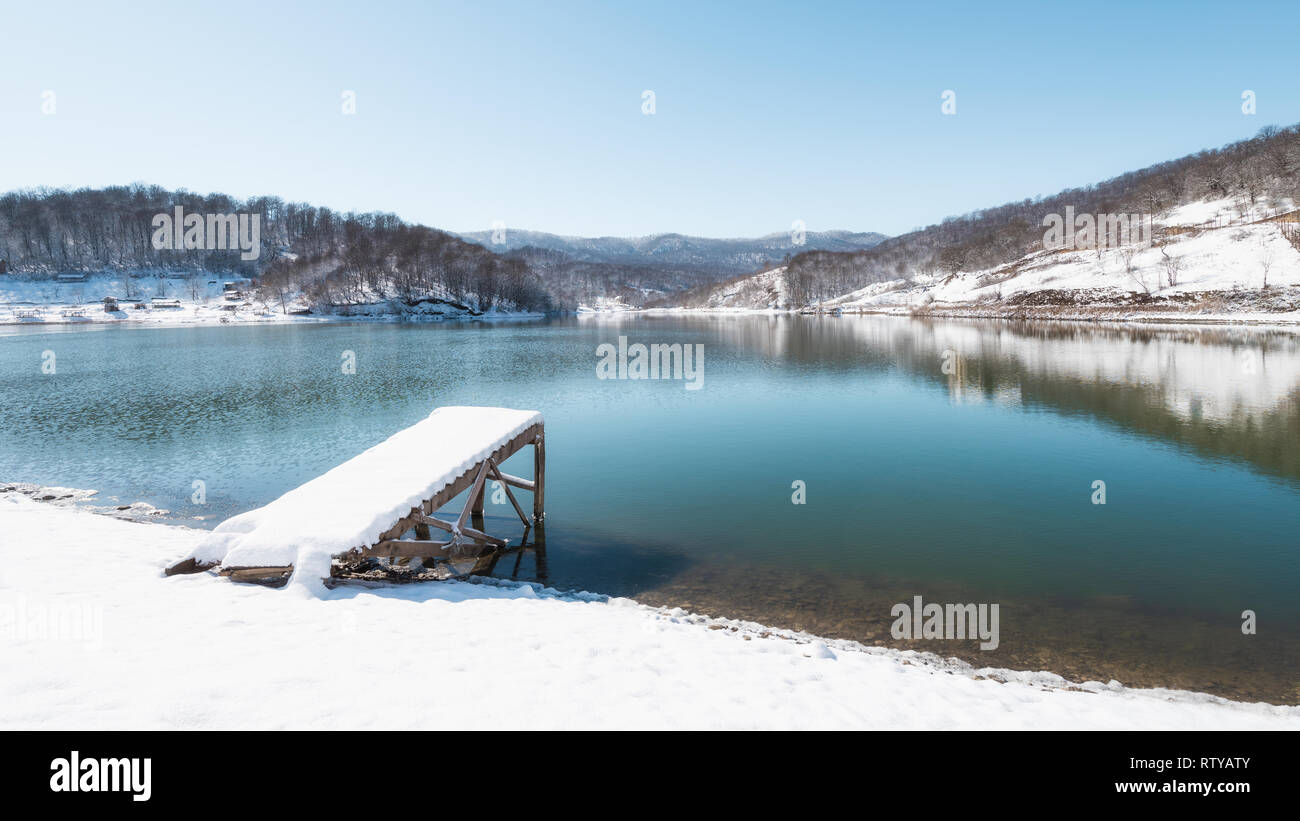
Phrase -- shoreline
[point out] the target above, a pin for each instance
(98, 300)
(190, 321)
(75, 526)
(1085, 638)
(1099, 314)
(1105, 313)
(1288, 322)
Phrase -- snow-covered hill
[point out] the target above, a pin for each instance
(1211, 262)
(1221, 259)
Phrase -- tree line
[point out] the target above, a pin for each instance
(329, 257)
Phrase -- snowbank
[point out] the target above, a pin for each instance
(139, 651)
(352, 504)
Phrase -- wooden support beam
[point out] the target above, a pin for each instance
(473, 533)
(506, 487)
(539, 477)
(408, 549)
(522, 484)
(417, 548)
(476, 502)
(190, 565)
(475, 490)
(268, 576)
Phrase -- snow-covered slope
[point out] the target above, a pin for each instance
(764, 291)
(1211, 259)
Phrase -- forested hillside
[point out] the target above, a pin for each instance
(341, 259)
(1266, 166)
(329, 257)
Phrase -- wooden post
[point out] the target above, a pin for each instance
(476, 504)
(421, 529)
(539, 478)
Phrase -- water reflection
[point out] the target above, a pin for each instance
(1231, 392)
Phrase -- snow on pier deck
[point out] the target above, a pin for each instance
(363, 506)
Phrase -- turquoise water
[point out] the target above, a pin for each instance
(975, 477)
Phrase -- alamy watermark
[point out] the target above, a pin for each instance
(946, 621)
(23, 619)
(1086, 232)
(210, 232)
(77, 774)
(654, 361)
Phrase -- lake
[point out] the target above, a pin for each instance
(955, 460)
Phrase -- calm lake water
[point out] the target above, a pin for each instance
(949, 459)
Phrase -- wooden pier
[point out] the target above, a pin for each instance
(392, 544)
(356, 491)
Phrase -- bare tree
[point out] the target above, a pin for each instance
(1172, 266)
(1265, 257)
(1126, 255)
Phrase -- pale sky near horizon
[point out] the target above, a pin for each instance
(531, 113)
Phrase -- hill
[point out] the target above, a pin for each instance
(1221, 220)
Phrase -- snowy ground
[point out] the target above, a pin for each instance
(201, 302)
(1219, 257)
(93, 636)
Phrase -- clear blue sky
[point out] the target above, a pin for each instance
(530, 113)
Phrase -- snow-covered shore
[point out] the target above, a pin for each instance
(38, 303)
(95, 637)
(1285, 320)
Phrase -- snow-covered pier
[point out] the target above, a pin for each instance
(381, 503)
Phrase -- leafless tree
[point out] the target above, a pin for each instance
(1265, 257)
(1172, 266)
(1126, 255)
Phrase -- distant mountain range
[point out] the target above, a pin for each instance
(678, 251)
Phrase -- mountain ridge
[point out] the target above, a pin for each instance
(726, 255)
